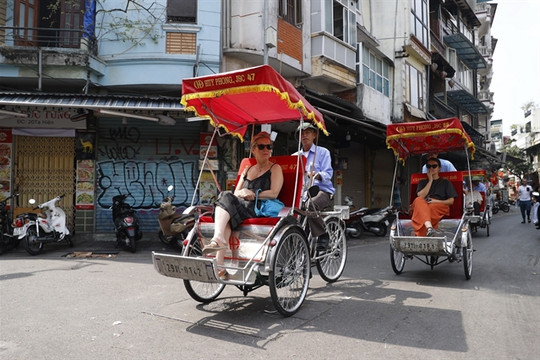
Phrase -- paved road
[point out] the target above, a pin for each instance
(118, 307)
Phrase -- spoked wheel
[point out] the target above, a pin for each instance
(330, 266)
(397, 259)
(487, 226)
(31, 243)
(289, 275)
(201, 291)
(467, 253)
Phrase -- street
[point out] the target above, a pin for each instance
(118, 307)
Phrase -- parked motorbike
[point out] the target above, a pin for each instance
(45, 227)
(500, 205)
(174, 226)
(374, 220)
(126, 223)
(7, 240)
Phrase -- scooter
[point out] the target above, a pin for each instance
(126, 223)
(500, 205)
(7, 240)
(45, 227)
(174, 226)
(375, 220)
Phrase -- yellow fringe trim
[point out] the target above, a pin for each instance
(247, 89)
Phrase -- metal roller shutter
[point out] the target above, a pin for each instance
(142, 158)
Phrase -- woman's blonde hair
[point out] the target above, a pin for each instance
(259, 136)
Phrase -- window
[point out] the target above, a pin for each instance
(291, 11)
(41, 25)
(340, 20)
(416, 87)
(375, 71)
(181, 43)
(419, 21)
(182, 11)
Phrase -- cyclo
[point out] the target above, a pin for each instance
(279, 251)
(454, 241)
(483, 219)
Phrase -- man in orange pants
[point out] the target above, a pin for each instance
(435, 196)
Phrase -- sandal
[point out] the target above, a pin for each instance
(223, 274)
(213, 247)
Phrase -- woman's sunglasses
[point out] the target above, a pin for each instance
(432, 166)
(262, 146)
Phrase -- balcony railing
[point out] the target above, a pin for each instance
(47, 38)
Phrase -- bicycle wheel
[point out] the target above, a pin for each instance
(203, 292)
(397, 259)
(289, 274)
(330, 266)
(467, 252)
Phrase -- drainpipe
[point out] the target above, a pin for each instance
(265, 26)
(40, 67)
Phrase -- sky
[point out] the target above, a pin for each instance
(516, 60)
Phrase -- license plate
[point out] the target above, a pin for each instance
(419, 245)
(18, 231)
(182, 267)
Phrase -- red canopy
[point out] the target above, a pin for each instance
(416, 138)
(259, 95)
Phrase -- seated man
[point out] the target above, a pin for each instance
(435, 195)
(474, 197)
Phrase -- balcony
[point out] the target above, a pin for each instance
(31, 52)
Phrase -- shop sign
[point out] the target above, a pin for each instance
(45, 119)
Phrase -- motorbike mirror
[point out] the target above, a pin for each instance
(170, 188)
(32, 201)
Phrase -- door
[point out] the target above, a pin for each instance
(44, 169)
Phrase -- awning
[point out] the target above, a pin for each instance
(475, 135)
(414, 111)
(466, 50)
(466, 100)
(92, 102)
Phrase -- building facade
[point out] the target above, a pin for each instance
(89, 92)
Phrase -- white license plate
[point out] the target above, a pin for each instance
(18, 231)
(419, 245)
(198, 269)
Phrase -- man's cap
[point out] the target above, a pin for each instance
(305, 126)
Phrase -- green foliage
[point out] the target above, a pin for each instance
(517, 161)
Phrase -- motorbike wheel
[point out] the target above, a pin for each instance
(383, 229)
(505, 207)
(132, 244)
(69, 240)
(31, 243)
(358, 227)
(163, 238)
(495, 209)
(202, 292)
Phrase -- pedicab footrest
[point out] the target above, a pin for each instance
(419, 244)
(183, 267)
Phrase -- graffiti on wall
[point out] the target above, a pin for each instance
(144, 170)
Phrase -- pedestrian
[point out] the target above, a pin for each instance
(524, 197)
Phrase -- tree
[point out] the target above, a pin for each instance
(516, 161)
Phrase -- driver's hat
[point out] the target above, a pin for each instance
(305, 126)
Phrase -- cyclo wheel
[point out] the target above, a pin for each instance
(397, 259)
(289, 274)
(467, 253)
(331, 265)
(202, 292)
